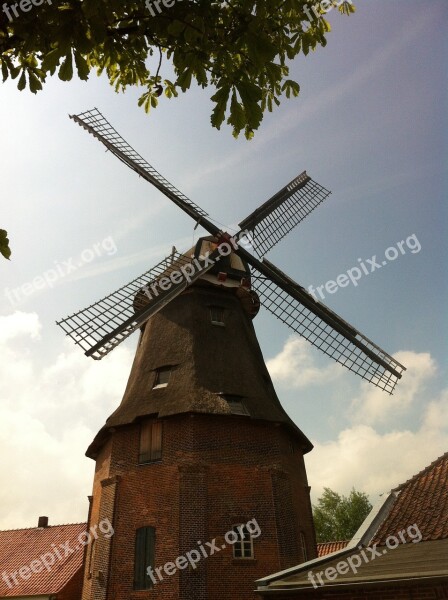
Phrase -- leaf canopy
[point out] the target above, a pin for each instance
(338, 517)
(239, 48)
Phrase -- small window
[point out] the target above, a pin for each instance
(162, 377)
(150, 442)
(217, 315)
(244, 546)
(303, 546)
(236, 404)
(145, 546)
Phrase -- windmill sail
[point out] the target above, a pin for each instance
(96, 124)
(274, 219)
(105, 324)
(295, 307)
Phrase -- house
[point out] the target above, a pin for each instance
(42, 563)
(400, 551)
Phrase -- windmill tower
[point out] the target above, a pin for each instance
(200, 470)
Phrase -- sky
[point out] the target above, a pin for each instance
(370, 125)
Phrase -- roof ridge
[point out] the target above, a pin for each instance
(47, 527)
(420, 473)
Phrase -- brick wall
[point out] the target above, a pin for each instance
(215, 472)
(72, 591)
(91, 578)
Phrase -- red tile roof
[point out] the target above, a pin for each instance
(56, 544)
(422, 501)
(325, 548)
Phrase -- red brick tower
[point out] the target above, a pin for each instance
(199, 446)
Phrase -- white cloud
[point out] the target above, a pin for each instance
(374, 461)
(374, 406)
(362, 456)
(436, 415)
(295, 366)
(19, 324)
(48, 417)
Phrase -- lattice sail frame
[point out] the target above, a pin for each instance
(340, 341)
(101, 327)
(304, 322)
(96, 124)
(285, 210)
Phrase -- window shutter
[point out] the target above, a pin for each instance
(145, 541)
(156, 442)
(139, 565)
(145, 442)
(149, 553)
(150, 441)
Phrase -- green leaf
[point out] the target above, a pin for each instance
(249, 133)
(260, 49)
(82, 66)
(34, 82)
(51, 60)
(66, 69)
(306, 44)
(291, 87)
(250, 92)
(237, 116)
(170, 89)
(347, 8)
(251, 95)
(22, 81)
(219, 112)
(5, 72)
(184, 80)
(4, 244)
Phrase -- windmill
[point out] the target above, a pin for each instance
(99, 328)
(200, 443)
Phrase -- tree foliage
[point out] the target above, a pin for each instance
(338, 517)
(240, 48)
(4, 244)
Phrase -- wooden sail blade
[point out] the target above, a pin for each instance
(272, 221)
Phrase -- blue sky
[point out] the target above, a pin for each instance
(370, 124)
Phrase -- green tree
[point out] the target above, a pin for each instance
(238, 48)
(338, 517)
